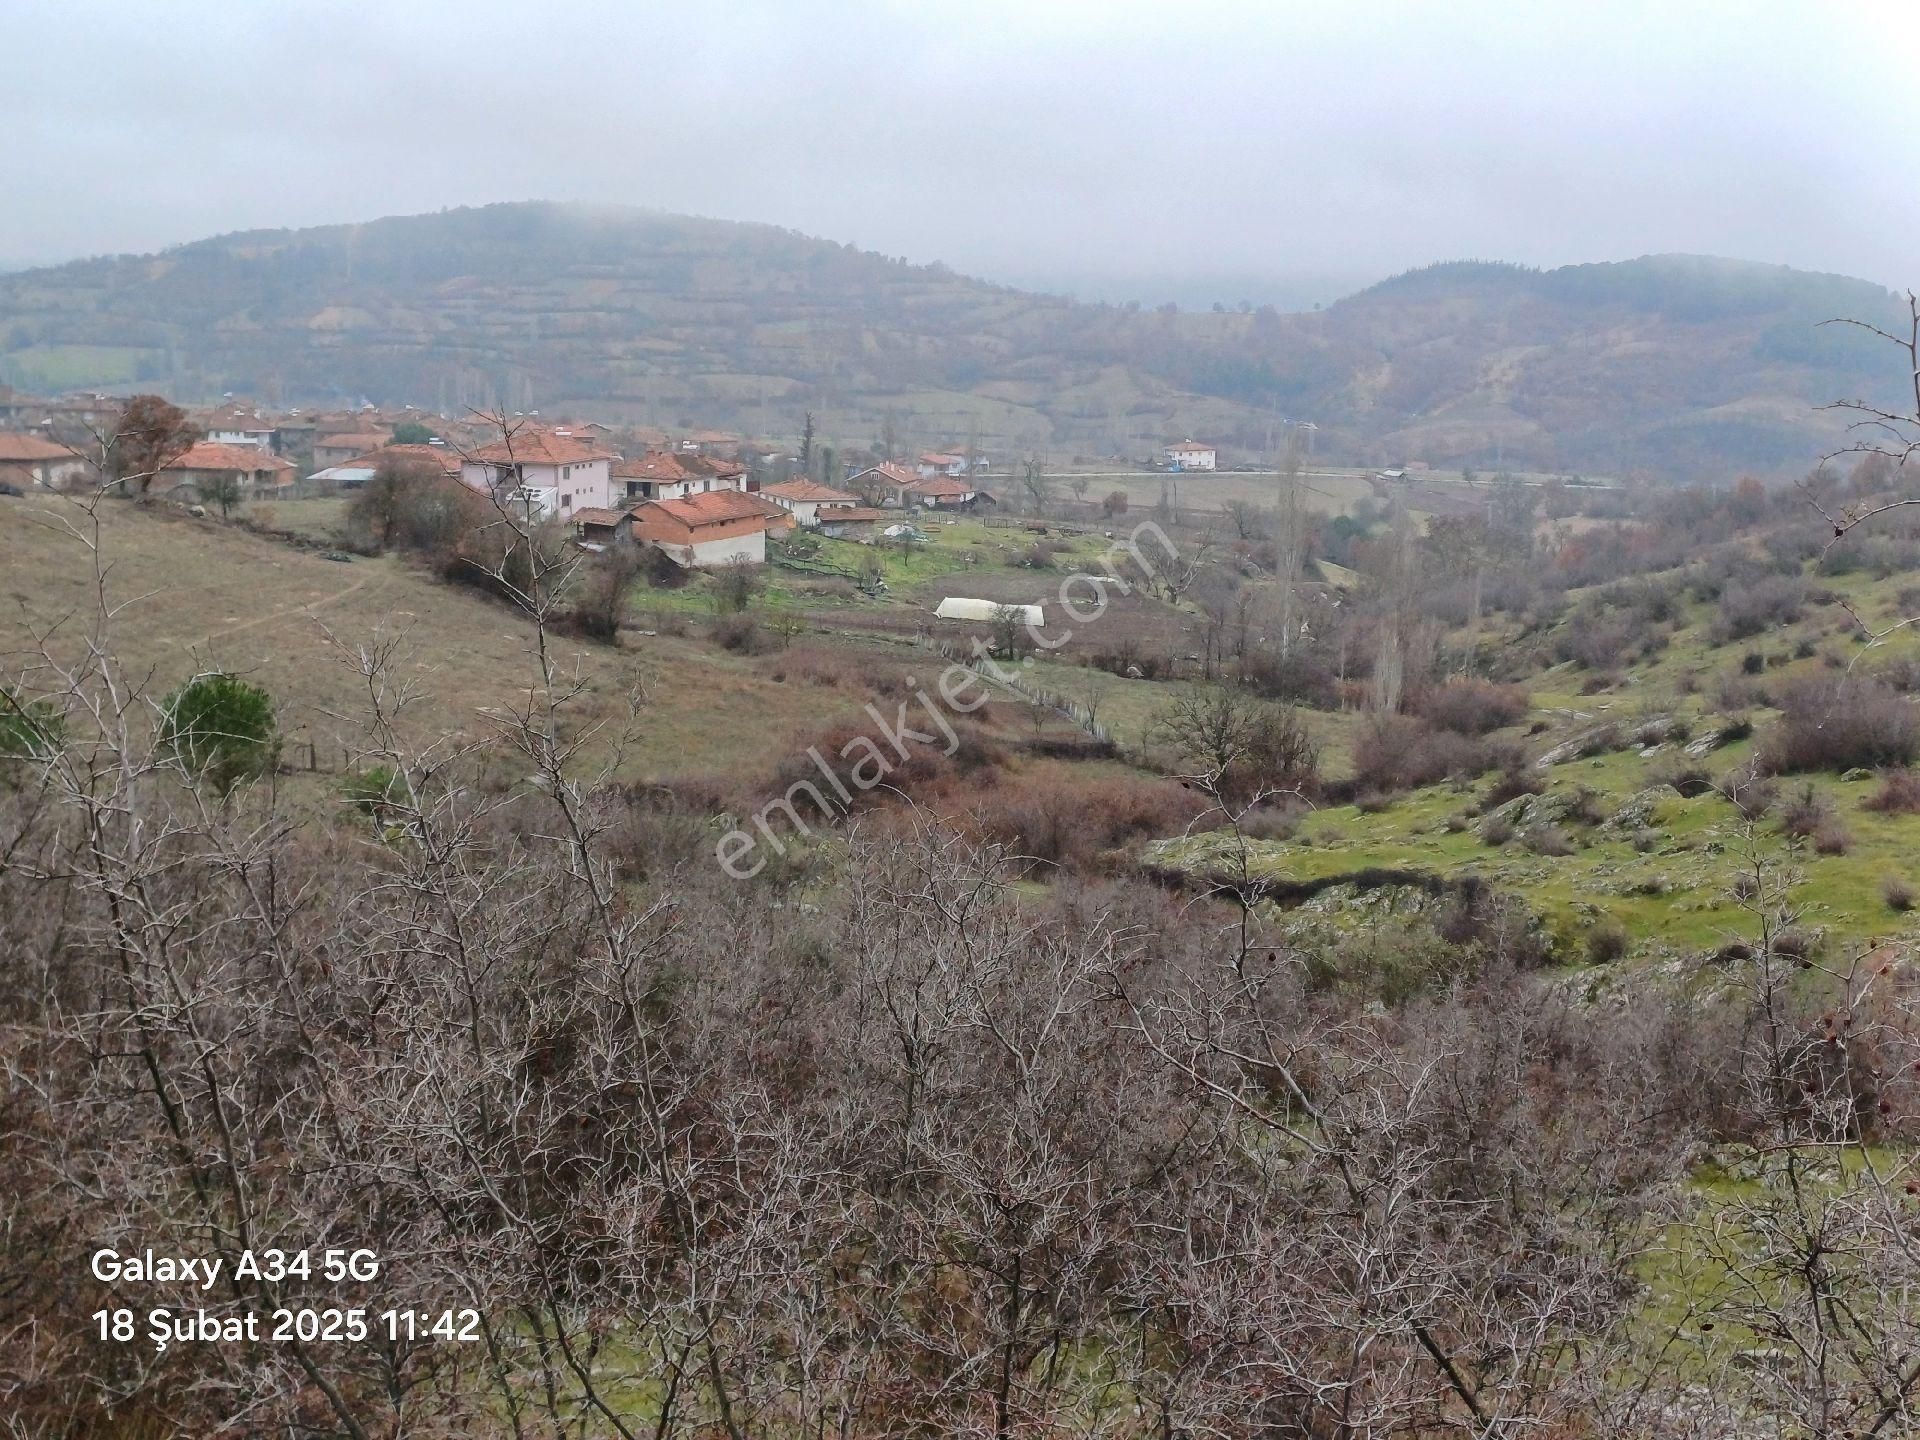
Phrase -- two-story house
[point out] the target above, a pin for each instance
(548, 472)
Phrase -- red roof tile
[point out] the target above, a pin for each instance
(537, 447)
(22, 448)
(709, 509)
(807, 490)
(892, 473)
(654, 465)
(211, 455)
(941, 487)
(445, 457)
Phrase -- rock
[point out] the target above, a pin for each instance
(1528, 812)
(1855, 776)
(1640, 812)
(1704, 744)
(1590, 742)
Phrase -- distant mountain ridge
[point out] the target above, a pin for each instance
(1684, 365)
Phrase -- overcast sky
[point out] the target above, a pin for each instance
(1109, 148)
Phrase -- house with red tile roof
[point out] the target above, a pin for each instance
(715, 528)
(884, 482)
(260, 475)
(726, 473)
(932, 464)
(236, 425)
(35, 460)
(661, 475)
(551, 473)
(339, 448)
(898, 485)
(806, 499)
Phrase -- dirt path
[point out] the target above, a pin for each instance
(280, 614)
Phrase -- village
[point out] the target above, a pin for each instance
(702, 498)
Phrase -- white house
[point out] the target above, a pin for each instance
(933, 463)
(660, 475)
(1192, 455)
(236, 429)
(549, 471)
(806, 500)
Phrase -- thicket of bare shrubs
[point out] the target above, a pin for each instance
(888, 1144)
(1752, 608)
(1392, 753)
(1837, 723)
(1898, 794)
(1469, 706)
(707, 1162)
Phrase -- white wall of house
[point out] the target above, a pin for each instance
(711, 554)
(555, 490)
(1191, 459)
(807, 512)
(256, 438)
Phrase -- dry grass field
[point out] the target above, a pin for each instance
(196, 595)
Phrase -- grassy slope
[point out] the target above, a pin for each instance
(1675, 898)
(198, 595)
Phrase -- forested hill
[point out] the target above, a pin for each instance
(1684, 365)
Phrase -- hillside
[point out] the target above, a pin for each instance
(1682, 365)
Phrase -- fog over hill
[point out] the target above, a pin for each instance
(1682, 365)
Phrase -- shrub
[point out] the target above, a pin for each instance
(1547, 840)
(1471, 706)
(1749, 793)
(1271, 822)
(742, 634)
(29, 729)
(1595, 640)
(1606, 942)
(1897, 893)
(1805, 812)
(1071, 822)
(1399, 752)
(1899, 794)
(1903, 674)
(1749, 609)
(734, 586)
(370, 791)
(1833, 838)
(1835, 723)
(1497, 832)
(1516, 778)
(1685, 778)
(220, 729)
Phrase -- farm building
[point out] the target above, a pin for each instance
(807, 501)
(702, 531)
(959, 607)
(32, 460)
